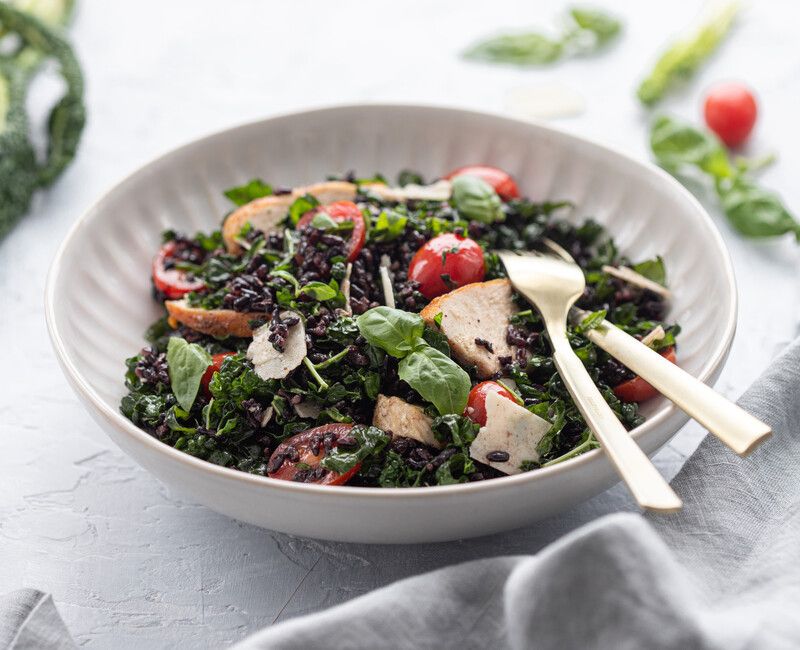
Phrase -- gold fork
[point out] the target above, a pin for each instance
(553, 286)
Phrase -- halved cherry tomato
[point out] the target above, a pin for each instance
(637, 389)
(216, 365)
(476, 402)
(172, 282)
(341, 211)
(458, 258)
(730, 111)
(503, 183)
(308, 448)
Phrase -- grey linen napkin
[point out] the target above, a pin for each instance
(29, 621)
(723, 573)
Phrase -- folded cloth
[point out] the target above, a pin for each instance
(29, 621)
(722, 573)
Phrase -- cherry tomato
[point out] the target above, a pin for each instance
(216, 365)
(451, 255)
(308, 447)
(503, 184)
(172, 282)
(476, 402)
(730, 111)
(341, 211)
(637, 389)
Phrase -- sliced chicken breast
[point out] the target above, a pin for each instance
(214, 322)
(474, 320)
(398, 417)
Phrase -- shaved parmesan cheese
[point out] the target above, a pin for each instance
(400, 418)
(512, 429)
(386, 281)
(307, 410)
(268, 362)
(268, 412)
(632, 277)
(438, 191)
(656, 334)
(348, 310)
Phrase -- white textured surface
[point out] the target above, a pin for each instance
(132, 567)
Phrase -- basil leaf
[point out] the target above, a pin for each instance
(186, 362)
(676, 144)
(254, 189)
(371, 441)
(519, 49)
(756, 212)
(300, 206)
(591, 321)
(393, 330)
(324, 221)
(653, 270)
(318, 291)
(389, 225)
(683, 58)
(603, 26)
(475, 199)
(437, 378)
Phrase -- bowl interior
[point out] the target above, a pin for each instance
(99, 291)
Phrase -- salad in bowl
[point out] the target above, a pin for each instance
(362, 332)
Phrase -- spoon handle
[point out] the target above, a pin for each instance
(730, 423)
(648, 487)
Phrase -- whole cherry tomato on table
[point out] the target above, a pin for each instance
(309, 448)
(730, 111)
(341, 211)
(503, 183)
(476, 402)
(446, 262)
(170, 281)
(637, 389)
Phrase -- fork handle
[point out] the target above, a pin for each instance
(730, 423)
(648, 487)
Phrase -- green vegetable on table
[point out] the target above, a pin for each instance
(684, 57)
(752, 210)
(20, 172)
(586, 31)
(430, 372)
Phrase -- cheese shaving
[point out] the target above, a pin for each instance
(632, 277)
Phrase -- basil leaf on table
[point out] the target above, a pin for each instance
(393, 330)
(751, 210)
(476, 200)
(603, 26)
(437, 378)
(186, 362)
(251, 190)
(756, 212)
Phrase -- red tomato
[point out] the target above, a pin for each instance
(503, 184)
(448, 254)
(730, 111)
(172, 282)
(341, 211)
(476, 402)
(216, 364)
(309, 448)
(637, 389)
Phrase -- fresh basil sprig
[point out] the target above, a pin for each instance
(752, 210)
(586, 31)
(476, 200)
(186, 362)
(251, 190)
(434, 375)
(683, 58)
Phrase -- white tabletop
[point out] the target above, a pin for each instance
(129, 564)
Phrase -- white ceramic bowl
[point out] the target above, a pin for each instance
(98, 297)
